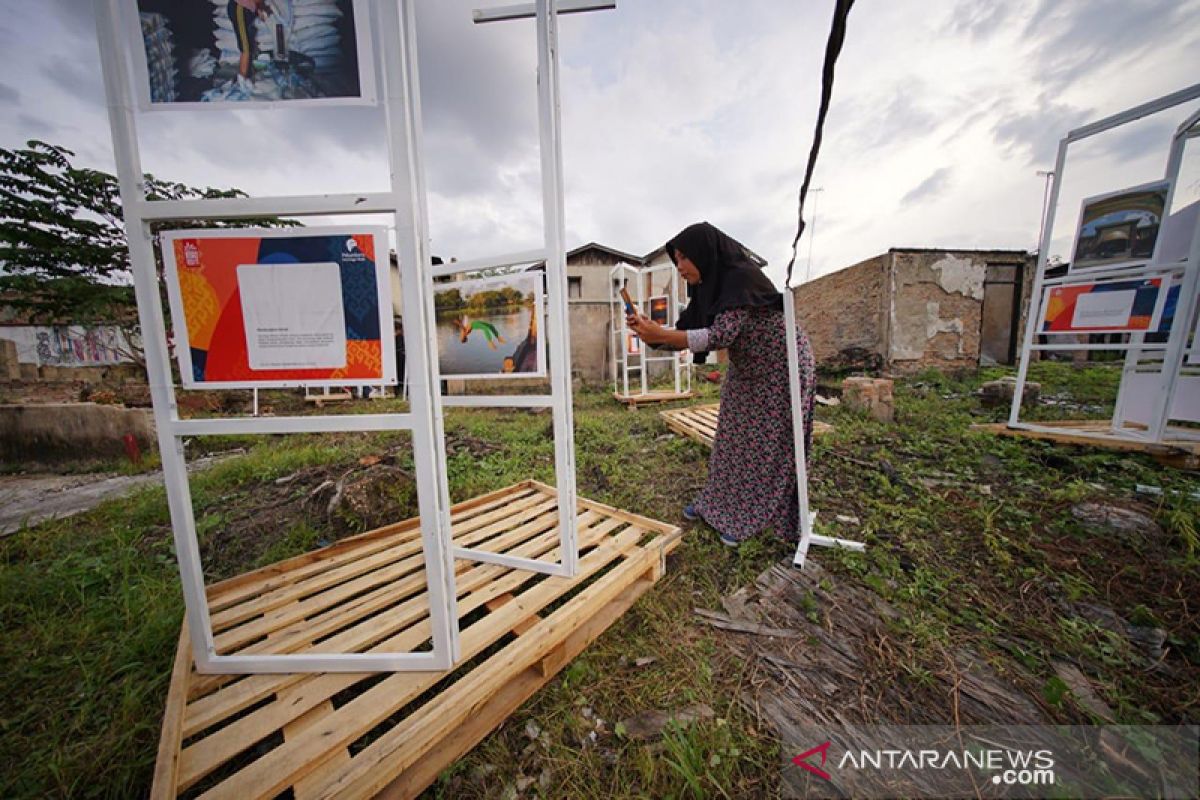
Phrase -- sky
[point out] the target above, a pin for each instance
(676, 111)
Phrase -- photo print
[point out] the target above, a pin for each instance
(1121, 227)
(251, 52)
(490, 328)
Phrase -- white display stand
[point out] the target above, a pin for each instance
(393, 27)
(1160, 382)
(643, 283)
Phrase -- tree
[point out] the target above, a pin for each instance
(63, 251)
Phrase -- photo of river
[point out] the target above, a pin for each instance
(489, 328)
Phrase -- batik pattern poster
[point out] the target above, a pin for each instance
(1103, 307)
(268, 308)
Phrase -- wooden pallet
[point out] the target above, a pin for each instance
(700, 422)
(359, 735)
(1175, 452)
(634, 400)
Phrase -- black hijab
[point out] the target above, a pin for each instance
(728, 277)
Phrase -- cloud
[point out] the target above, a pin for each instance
(979, 19)
(1034, 133)
(1075, 39)
(935, 184)
(8, 95)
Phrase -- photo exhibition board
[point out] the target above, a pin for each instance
(1120, 228)
(1104, 307)
(491, 328)
(297, 52)
(261, 308)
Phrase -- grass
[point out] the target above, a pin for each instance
(92, 607)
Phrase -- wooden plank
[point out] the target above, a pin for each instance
(281, 767)
(700, 423)
(414, 780)
(166, 765)
(242, 586)
(376, 571)
(208, 753)
(475, 587)
(402, 746)
(314, 757)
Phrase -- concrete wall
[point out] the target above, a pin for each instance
(936, 307)
(59, 431)
(912, 308)
(846, 309)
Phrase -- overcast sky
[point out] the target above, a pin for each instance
(680, 110)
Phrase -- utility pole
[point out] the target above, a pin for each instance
(1048, 175)
(812, 234)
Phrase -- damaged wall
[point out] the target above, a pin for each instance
(916, 308)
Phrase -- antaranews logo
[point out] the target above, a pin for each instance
(1009, 766)
(802, 760)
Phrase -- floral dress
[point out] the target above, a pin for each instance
(752, 471)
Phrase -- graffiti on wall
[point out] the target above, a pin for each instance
(69, 345)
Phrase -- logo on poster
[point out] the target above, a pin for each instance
(191, 254)
(352, 251)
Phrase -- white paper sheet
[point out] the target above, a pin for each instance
(293, 315)
(1103, 309)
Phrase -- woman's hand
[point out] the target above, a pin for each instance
(649, 330)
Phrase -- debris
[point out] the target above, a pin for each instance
(1156, 491)
(1122, 522)
(846, 519)
(644, 661)
(650, 724)
(370, 461)
(1001, 392)
(1081, 690)
(727, 623)
(828, 401)
(532, 730)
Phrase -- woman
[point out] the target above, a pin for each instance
(734, 306)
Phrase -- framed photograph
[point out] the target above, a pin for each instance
(633, 344)
(1120, 228)
(660, 309)
(210, 53)
(1113, 307)
(261, 308)
(490, 328)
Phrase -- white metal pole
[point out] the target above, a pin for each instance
(554, 224)
(402, 114)
(1172, 363)
(793, 361)
(1033, 319)
(115, 68)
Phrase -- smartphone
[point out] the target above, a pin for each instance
(628, 301)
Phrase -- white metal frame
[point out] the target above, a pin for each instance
(395, 45)
(553, 254)
(621, 364)
(1164, 361)
(402, 111)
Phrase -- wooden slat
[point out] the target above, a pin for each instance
(166, 766)
(205, 755)
(404, 744)
(313, 759)
(700, 422)
(412, 781)
(291, 761)
(241, 587)
(208, 710)
(1178, 453)
(374, 571)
